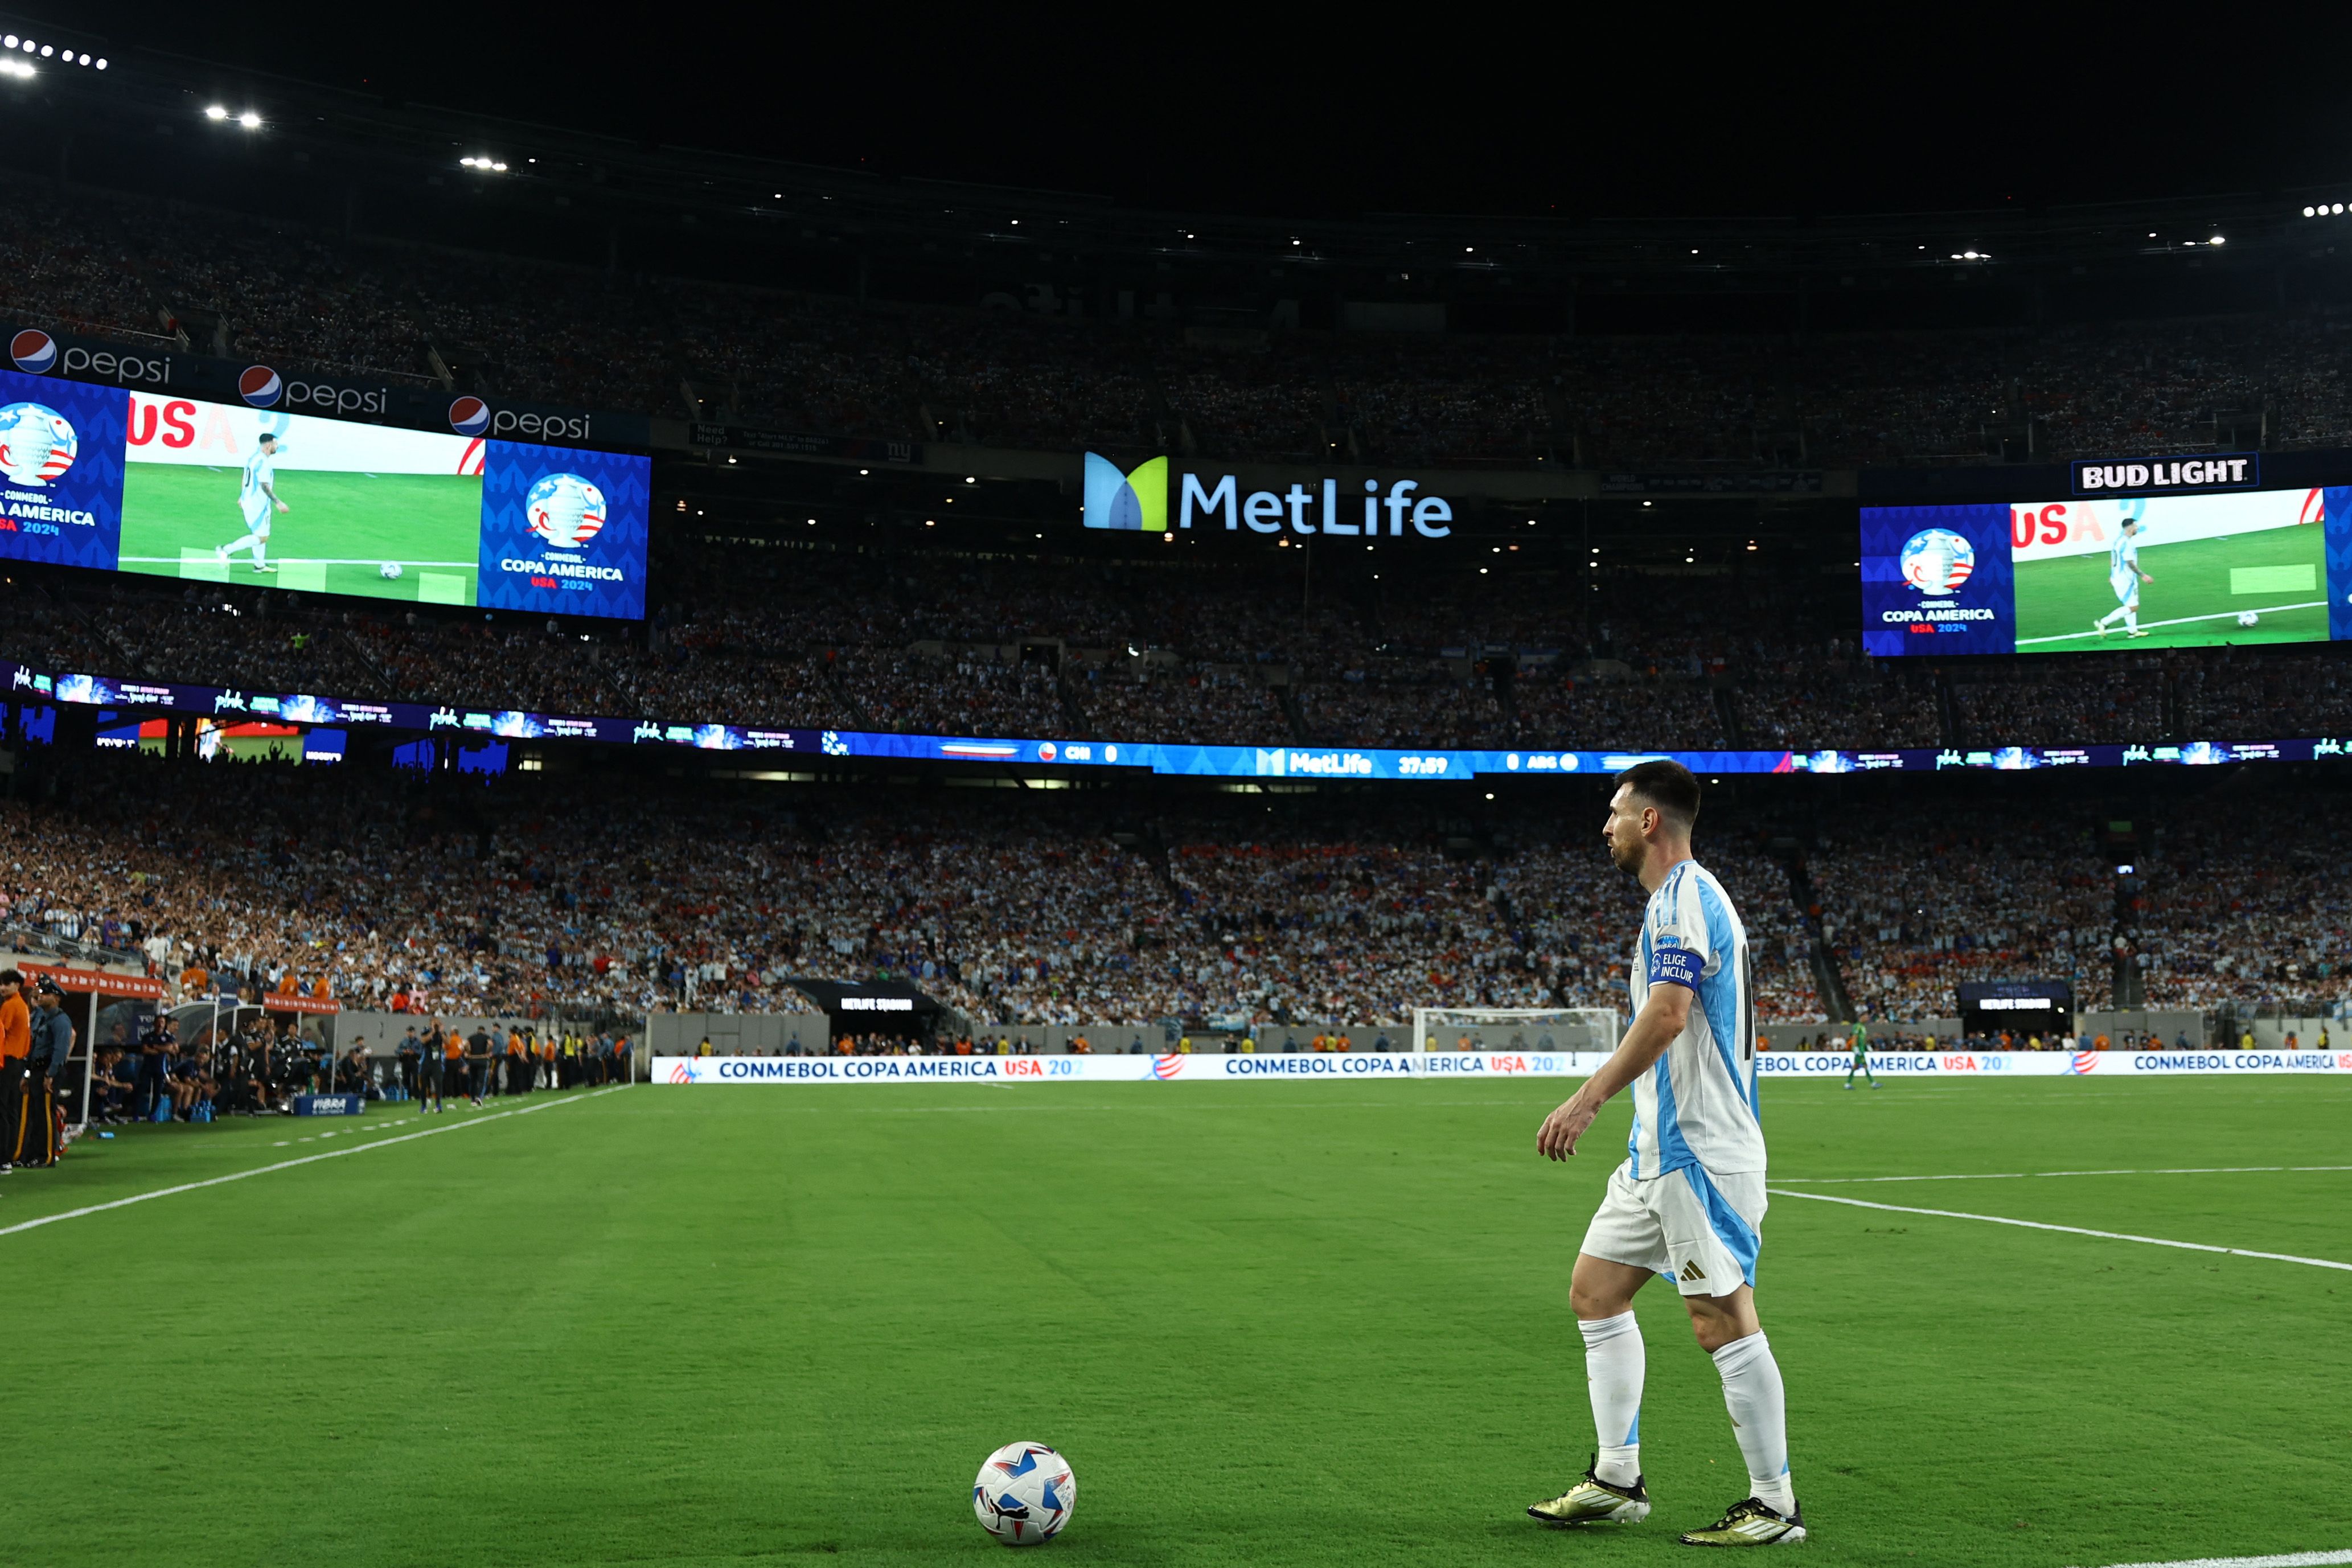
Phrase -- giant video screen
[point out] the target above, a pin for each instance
(2103, 575)
(176, 487)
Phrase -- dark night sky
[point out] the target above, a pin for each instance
(1673, 115)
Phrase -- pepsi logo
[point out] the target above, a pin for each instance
(469, 416)
(35, 351)
(259, 386)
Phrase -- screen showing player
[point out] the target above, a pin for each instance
(214, 492)
(2171, 571)
(2094, 575)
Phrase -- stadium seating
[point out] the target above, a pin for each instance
(303, 297)
(606, 899)
(1220, 660)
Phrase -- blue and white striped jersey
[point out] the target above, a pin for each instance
(1697, 1106)
(2123, 555)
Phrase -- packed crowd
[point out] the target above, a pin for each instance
(612, 902)
(1222, 656)
(298, 296)
(586, 900)
(1911, 907)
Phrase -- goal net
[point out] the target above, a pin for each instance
(1513, 1029)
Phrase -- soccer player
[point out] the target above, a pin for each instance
(2124, 577)
(256, 497)
(1861, 1062)
(1685, 1205)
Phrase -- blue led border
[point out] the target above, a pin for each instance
(1266, 763)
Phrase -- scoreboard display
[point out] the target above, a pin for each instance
(2097, 574)
(175, 487)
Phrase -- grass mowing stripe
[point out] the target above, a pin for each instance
(290, 1165)
(2068, 1229)
(2036, 1175)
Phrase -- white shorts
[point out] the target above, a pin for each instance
(2126, 587)
(257, 523)
(1697, 1228)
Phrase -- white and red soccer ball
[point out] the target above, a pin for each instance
(1025, 1494)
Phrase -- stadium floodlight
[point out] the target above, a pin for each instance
(2310, 212)
(215, 112)
(17, 68)
(249, 120)
(2217, 239)
(2338, 208)
(9, 42)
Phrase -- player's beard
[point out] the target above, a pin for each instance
(1628, 853)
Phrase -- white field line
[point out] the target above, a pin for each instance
(304, 1160)
(2183, 620)
(2036, 1175)
(2069, 1230)
(312, 561)
(2283, 1560)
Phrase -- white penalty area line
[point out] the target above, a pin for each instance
(2037, 1176)
(303, 561)
(2283, 1560)
(2069, 1230)
(304, 1160)
(2184, 621)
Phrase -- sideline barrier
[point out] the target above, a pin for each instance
(1325, 1067)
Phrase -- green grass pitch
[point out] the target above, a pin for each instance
(340, 530)
(2057, 600)
(1269, 1324)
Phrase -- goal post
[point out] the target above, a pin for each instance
(1515, 1028)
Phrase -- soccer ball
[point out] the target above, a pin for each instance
(2247, 617)
(389, 571)
(1024, 1494)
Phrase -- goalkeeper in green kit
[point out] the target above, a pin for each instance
(1861, 1063)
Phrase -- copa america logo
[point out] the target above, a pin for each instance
(564, 510)
(35, 351)
(37, 444)
(259, 386)
(1935, 561)
(469, 416)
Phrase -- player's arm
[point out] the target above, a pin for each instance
(1663, 1016)
(271, 492)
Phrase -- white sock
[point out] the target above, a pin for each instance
(1613, 1368)
(1758, 1406)
(2131, 620)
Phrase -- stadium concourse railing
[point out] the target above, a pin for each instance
(131, 699)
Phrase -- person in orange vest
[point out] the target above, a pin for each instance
(15, 1039)
(518, 1061)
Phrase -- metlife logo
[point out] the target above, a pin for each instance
(1141, 501)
